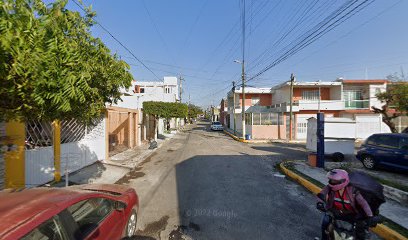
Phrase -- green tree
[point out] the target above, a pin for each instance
(51, 67)
(165, 110)
(395, 98)
(194, 110)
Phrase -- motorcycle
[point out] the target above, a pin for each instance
(344, 230)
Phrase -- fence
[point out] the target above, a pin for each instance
(81, 145)
(264, 118)
(266, 125)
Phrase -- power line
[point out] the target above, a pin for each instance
(156, 28)
(316, 34)
(117, 40)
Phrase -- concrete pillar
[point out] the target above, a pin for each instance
(15, 159)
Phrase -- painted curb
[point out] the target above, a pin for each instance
(235, 137)
(382, 230)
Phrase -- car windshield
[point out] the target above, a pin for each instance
(216, 123)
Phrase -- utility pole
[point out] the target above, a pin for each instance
(233, 106)
(292, 79)
(243, 100)
(243, 69)
(181, 86)
(320, 98)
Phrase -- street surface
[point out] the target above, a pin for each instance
(204, 185)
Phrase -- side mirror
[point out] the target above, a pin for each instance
(119, 206)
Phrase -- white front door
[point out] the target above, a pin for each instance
(301, 125)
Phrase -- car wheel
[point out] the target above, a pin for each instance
(338, 157)
(368, 162)
(131, 224)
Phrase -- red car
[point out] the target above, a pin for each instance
(94, 211)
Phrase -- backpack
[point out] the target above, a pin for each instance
(369, 188)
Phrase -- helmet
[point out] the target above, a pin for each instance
(338, 179)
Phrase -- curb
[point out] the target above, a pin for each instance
(382, 230)
(235, 137)
(259, 141)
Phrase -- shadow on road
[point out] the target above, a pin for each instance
(237, 197)
(292, 151)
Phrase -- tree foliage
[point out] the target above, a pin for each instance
(51, 67)
(165, 110)
(194, 110)
(396, 98)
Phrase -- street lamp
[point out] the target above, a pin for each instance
(243, 96)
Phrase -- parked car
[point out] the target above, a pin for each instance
(97, 211)
(216, 126)
(387, 150)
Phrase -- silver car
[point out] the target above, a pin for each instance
(216, 126)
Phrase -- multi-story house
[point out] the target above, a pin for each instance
(341, 98)
(224, 112)
(308, 99)
(257, 100)
(164, 91)
(359, 96)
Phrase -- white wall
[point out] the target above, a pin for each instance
(136, 101)
(39, 163)
(373, 91)
(336, 93)
(281, 95)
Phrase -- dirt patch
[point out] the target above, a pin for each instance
(153, 229)
(131, 175)
(147, 159)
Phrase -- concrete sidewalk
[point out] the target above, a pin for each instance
(110, 171)
(391, 209)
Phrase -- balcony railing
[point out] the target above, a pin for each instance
(323, 104)
(357, 104)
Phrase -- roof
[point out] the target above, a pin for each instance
(253, 90)
(30, 205)
(308, 84)
(361, 81)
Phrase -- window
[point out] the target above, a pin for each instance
(372, 140)
(89, 213)
(404, 143)
(167, 90)
(310, 94)
(255, 101)
(388, 141)
(50, 230)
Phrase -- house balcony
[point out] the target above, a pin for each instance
(357, 104)
(324, 104)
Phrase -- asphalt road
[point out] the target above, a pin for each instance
(204, 185)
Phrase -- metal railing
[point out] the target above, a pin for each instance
(356, 104)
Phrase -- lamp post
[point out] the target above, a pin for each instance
(243, 96)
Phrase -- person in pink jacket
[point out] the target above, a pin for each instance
(345, 203)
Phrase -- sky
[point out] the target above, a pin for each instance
(200, 39)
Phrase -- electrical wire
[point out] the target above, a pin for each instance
(316, 34)
(118, 41)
